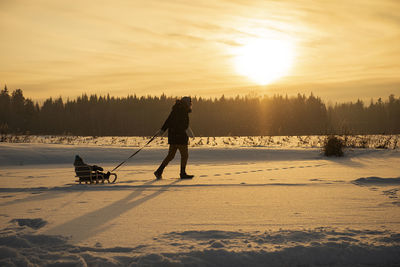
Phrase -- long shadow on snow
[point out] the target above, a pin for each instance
(94, 222)
(346, 161)
(46, 193)
(351, 155)
(37, 197)
(376, 181)
(148, 185)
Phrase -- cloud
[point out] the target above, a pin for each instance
(50, 46)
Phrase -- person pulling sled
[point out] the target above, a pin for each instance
(177, 125)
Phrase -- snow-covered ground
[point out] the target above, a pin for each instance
(252, 203)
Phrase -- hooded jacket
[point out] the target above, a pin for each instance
(177, 124)
(84, 169)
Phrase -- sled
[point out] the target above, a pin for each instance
(88, 175)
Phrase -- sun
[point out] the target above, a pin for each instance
(264, 60)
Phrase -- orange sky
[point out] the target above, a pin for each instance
(344, 50)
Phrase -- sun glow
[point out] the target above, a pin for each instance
(263, 60)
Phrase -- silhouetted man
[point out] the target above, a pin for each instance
(177, 124)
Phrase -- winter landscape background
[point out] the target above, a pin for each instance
(254, 115)
(255, 201)
(275, 87)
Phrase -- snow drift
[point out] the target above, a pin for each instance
(317, 247)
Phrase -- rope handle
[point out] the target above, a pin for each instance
(151, 140)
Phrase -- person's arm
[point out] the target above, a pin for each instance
(166, 124)
(189, 132)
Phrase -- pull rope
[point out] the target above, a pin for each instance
(119, 165)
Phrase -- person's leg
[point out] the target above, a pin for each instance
(183, 149)
(168, 158)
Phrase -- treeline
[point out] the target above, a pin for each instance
(143, 116)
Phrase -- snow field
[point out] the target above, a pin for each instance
(260, 206)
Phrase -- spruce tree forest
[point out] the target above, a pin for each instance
(93, 115)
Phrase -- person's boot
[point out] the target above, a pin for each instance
(158, 175)
(158, 172)
(184, 175)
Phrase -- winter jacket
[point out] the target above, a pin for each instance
(177, 124)
(84, 169)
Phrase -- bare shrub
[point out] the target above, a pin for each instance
(333, 146)
(384, 142)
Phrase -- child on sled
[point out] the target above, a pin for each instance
(90, 173)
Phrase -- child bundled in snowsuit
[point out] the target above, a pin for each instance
(84, 169)
(177, 124)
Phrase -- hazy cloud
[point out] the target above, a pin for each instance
(64, 47)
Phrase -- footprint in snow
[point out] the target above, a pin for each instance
(31, 223)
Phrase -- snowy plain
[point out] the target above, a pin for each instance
(255, 201)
